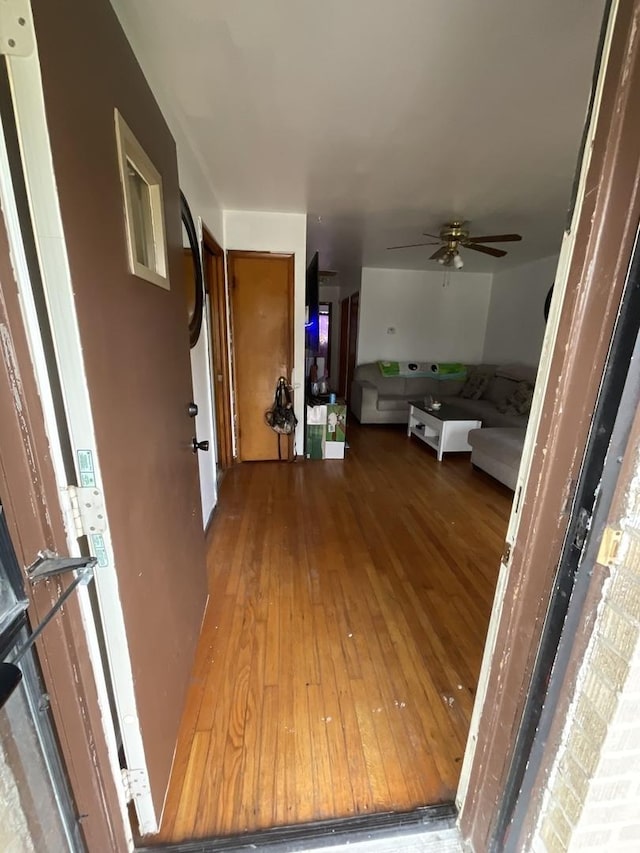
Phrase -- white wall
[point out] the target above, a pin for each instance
(278, 232)
(515, 326)
(349, 281)
(431, 322)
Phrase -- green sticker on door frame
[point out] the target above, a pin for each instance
(99, 549)
(86, 469)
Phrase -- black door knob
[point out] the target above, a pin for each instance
(199, 445)
(192, 410)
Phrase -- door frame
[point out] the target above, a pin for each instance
(329, 347)
(584, 572)
(220, 355)
(344, 347)
(39, 444)
(32, 165)
(232, 254)
(592, 273)
(561, 391)
(354, 328)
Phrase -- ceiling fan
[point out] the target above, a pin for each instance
(454, 235)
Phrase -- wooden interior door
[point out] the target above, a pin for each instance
(127, 380)
(354, 307)
(344, 347)
(262, 310)
(213, 257)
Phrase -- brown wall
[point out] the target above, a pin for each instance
(135, 343)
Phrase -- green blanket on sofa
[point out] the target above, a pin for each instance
(436, 370)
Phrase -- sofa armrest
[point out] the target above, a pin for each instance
(363, 400)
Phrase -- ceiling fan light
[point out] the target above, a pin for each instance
(457, 261)
(442, 260)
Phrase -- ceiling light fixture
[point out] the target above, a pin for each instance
(457, 261)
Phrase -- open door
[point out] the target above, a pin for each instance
(112, 297)
(214, 282)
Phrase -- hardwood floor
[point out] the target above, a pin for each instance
(341, 648)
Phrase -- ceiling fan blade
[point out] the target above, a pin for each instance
(411, 245)
(439, 253)
(488, 250)
(427, 234)
(495, 238)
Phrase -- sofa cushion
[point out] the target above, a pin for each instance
(499, 389)
(518, 372)
(486, 411)
(448, 388)
(502, 443)
(371, 373)
(420, 387)
(392, 403)
(519, 401)
(475, 384)
(406, 369)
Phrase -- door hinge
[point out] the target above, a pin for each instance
(135, 783)
(86, 507)
(506, 553)
(608, 551)
(16, 28)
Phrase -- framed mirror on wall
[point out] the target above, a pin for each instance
(193, 278)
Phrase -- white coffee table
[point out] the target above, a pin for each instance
(446, 430)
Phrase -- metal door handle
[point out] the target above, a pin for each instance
(192, 410)
(199, 445)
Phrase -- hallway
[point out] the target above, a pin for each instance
(340, 652)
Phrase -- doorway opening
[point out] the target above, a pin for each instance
(251, 544)
(218, 318)
(325, 330)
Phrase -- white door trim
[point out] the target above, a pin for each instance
(28, 98)
(560, 285)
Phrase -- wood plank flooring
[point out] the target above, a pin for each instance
(341, 647)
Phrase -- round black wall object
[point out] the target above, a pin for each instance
(547, 303)
(195, 290)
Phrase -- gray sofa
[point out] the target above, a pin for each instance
(498, 451)
(378, 399)
(496, 447)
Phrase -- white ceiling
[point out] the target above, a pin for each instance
(381, 118)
